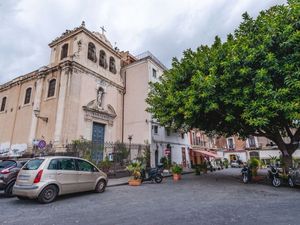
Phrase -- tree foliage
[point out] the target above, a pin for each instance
(247, 85)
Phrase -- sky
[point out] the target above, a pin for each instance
(164, 27)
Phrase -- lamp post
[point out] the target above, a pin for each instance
(130, 139)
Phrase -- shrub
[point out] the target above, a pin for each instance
(254, 162)
(176, 169)
(135, 168)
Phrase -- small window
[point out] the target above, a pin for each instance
(92, 52)
(7, 163)
(251, 141)
(54, 164)
(112, 65)
(33, 164)
(3, 104)
(155, 128)
(67, 164)
(230, 143)
(182, 135)
(102, 59)
(85, 166)
(168, 130)
(21, 164)
(51, 89)
(27, 96)
(154, 73)
(64, 51)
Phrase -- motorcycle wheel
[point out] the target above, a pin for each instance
(291, 182)
(245, 179)
(158, 179)
(276, 182)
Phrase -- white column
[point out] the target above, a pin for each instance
(60, 108)
(37, 104)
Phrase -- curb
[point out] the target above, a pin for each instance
(116, 185)
(126, 183)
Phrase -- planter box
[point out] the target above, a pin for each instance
(176, 177)
(135, 182)
(258, 178)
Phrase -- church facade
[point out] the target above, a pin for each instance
(79, 94)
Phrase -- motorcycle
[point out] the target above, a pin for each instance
(246, 174)
(274, 176)
(154, 174)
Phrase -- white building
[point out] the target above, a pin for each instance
(138, 123)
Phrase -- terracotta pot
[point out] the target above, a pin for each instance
(134, 182)
(176, 176)
(258, 178)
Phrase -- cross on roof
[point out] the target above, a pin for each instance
(103, 29)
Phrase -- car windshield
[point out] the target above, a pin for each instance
(33, 164)
(7, 164)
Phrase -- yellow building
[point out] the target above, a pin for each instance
(79, 94)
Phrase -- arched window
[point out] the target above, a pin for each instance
(64, 51)
(51, 88)
(112, 65)
(3, 104)
(102, 59)
(92, 52)
(27, 96)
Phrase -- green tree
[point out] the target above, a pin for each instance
(247, 85)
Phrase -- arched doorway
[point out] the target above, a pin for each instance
(254, 155)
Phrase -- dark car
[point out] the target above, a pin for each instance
(294, 177)
(9, 170)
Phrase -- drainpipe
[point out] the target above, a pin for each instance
(123, 104)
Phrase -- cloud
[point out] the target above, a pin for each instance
(166, 28)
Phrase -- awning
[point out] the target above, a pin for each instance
(207, 153)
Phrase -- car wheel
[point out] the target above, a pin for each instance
(100, 187)
(8, 189)
(291, 182)
(48, 194)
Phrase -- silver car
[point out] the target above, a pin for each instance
(45, 178)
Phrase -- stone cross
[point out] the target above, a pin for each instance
(103, 29)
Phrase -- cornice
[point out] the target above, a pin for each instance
(69, 66)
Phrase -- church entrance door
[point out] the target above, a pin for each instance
(98, 141)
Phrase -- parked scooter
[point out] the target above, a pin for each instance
(246, 174)
(154, 174)
(274, 176)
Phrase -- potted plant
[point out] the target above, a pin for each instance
(135, 169)
(226, 163)
(254, 164)
(176, 171)
(198, 169)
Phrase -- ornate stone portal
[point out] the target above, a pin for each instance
(95, 111)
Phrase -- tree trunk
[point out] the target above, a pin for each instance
(287, 162)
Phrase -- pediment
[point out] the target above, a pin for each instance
(94, 113)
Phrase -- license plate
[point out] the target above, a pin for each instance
(23, 177)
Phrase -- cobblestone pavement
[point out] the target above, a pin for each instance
(211, 199)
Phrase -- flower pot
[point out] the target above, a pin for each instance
(176, 176)
(134, 182)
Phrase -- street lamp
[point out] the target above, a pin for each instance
(37, 115)
(130, 139)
